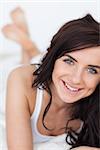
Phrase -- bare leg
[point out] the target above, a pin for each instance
(19, 19)
(18, 32)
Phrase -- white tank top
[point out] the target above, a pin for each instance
(38, 137)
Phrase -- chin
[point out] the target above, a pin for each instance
(69, 100)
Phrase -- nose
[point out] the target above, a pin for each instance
(77, 76)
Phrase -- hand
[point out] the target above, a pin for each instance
(85, 148)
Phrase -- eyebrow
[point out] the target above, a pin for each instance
(71, 57)
(96, 66)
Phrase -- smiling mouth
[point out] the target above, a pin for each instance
(70, 88)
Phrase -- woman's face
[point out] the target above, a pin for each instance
(76, 74)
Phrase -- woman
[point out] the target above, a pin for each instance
(59, 95)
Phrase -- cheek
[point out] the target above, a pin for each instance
(55, 75)
(90, 89)
(92, 84)
(57, 71)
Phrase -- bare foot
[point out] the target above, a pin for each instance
(18, 17)
(11, 31)
(18, 32)
(29, 49)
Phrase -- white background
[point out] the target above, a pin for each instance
(44, 18)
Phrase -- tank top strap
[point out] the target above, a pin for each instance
(38, 104)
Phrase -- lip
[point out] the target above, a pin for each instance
(71, 88)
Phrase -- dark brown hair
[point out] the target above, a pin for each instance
(74, 35)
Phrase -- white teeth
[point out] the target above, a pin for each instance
(72, 89)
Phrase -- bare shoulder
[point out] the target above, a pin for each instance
(24, 72)
(21, 79)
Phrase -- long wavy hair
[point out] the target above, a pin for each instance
(73, 35)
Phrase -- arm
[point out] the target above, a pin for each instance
(19, 134)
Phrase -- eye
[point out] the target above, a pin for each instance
(69, 61)
(92, 70)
